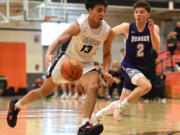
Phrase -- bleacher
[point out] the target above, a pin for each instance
(172, 82)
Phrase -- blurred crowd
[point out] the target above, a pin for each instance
(173, 42)
(173, 39)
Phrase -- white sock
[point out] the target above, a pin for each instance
(18, 104)
(125, 102)
(70, 94)
(76, 94)
(107, 110)
(84, 121)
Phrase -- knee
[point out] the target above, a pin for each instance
(93, 88)
(147, 87)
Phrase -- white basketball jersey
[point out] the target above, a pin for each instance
(84, 46)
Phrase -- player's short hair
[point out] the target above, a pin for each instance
(143, 4)
(92, 3)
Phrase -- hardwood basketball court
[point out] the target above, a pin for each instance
(63, 117)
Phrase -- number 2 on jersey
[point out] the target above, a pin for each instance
(86, 48)
(140, 50)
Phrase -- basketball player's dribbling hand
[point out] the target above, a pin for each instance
(108, 77)
(49, 59)
(151, 25)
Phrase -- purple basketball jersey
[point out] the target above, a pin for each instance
(138, 47)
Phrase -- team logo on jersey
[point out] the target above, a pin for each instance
(90, 41)
(140, 38)
(132, 32)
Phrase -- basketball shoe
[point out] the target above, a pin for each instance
(12, 113)
(118, 111)
(88, 129)
(96, 120)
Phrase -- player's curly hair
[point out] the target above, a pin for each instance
(92, 3)
(143, 4)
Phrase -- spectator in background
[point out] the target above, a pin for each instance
(177, 30)
(123, 52)
(114, 89)
(37, 83)
(66, 90)
(103, 91)
(104, 86)
(100, 94)
(172, 42)
(79, 92)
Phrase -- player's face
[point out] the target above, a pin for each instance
(98, 13)
(141, 15)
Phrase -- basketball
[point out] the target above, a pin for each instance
(71, 70)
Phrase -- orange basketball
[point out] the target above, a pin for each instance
(71, 70)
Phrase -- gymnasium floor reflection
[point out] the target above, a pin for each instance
(63, 117)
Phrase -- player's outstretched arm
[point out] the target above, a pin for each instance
(72, 30)
(122, 28)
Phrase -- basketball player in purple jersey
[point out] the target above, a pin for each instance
(141, 37)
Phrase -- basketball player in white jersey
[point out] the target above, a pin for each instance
(86, 34)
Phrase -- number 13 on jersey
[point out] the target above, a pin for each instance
(86, 48)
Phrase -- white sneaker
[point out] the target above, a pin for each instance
(68, 96)
(63, 96)
(96, 120)
(75, 96)
(177, 67)
(55, 95)
(83, 97)
(164, 100)
(118, 111)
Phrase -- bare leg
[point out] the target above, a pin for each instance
(127, 96)
(69, 85)
(63, 86)
(144, 86)
(47, 87)
(125, 93)
(90, 83)
(110, 108)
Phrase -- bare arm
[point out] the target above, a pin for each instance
(154, 32)
(122, 29)
(107, 56)
(73, 29)
(107, 51)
